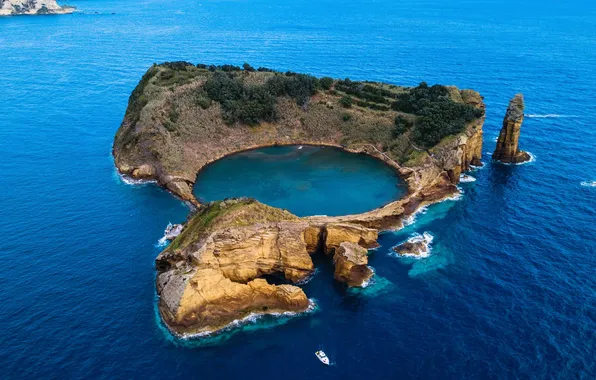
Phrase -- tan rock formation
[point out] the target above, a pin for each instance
(337, 233)
(211, 273)
(214, 279)
(351, 264)
(507, 149)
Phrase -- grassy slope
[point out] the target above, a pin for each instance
(229, 213)
(168, 112)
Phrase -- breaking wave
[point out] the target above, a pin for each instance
(412, 218)
(307, 279)
(465, 178)
(425, 238)
(132, 181)
(532, 159)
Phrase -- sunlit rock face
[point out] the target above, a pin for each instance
(507, 149)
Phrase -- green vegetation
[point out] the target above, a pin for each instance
(399, 121)
(251, 104)
(137, 99)
(346, 101)
(326, 83)
(438, 115)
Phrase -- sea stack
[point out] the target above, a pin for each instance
(507, 149)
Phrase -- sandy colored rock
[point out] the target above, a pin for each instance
(209, 276)
(351, 264)
(507, 149)
(337, 233)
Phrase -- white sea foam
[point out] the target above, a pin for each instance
(307, 279)
(588, 183)
(465, 178)
(532, 159)
(476, 168)
(162, 242)
(425, 238)
(249, 319)
(132, 181)
(412, 218)
(549, 116)
(366, 283)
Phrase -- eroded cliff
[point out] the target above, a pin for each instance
(215, 271)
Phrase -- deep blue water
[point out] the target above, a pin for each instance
(305, 180)
(508, 292)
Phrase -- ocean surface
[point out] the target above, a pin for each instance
(508, 291)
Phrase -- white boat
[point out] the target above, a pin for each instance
(322, 357)
(300, 147)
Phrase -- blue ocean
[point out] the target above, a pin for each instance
(508, 291)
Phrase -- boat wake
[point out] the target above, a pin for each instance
(588, 183)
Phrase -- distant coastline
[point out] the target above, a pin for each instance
(33, 8)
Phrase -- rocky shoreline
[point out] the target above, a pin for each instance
(33, 7)
(212, 273)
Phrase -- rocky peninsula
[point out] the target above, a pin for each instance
(507, 149)
(32, 7)
(181, 117)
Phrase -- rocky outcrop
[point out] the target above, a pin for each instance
(507, 149)
(32, 7)
(337, 233)
(418, 246)
(351, 264)
(215, 271)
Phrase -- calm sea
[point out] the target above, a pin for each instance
(509, 290)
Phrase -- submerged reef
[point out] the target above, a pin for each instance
(182, 117)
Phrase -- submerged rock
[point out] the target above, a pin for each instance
(351, 264)
(507, 149)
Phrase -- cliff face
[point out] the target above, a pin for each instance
(507, 149)
(32, 7)
(212, 273)
(172, 129)
(351, 267)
